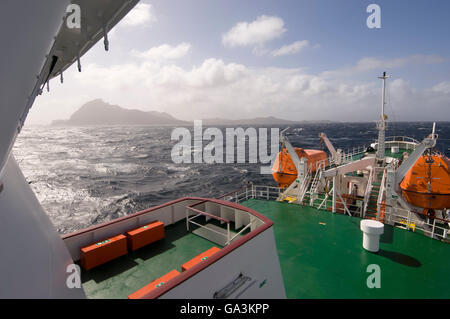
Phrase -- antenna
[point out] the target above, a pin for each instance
(383, 102)
(381, 125)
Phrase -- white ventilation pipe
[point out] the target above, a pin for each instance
(372, 230)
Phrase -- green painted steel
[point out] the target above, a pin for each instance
(321, 256)
(125, 275)
(320, 253)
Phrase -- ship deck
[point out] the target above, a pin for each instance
(321, 256)
(120, 277)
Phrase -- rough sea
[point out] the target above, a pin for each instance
(88, 175)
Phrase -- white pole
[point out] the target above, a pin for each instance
(187, 220)
(384, 77)
(334, 194)
(381, 125)
(409, 219)
(434, 226)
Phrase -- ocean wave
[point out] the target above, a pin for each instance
(88, 175)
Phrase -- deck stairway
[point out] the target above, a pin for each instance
(371, 211)
(372, 207)
(314, 186)
(315, 199)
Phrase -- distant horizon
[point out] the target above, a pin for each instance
(322, 121)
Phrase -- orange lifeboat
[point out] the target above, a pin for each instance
(427, 183)
(284, 171)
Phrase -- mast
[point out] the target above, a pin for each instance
(381, 124)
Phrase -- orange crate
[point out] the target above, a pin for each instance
(198, 259)
(145, 235)
(153, 285)
(101, 252)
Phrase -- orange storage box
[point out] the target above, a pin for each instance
(145, 235)
(198, 259)
(153, 285)
(101, 252)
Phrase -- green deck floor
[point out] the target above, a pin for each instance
(328, 261)
(121, 277)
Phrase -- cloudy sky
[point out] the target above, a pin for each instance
(293, 59)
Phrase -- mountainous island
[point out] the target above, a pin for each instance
(98, 112)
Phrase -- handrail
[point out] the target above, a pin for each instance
(316, 181)
(233, 192)
(213, 230)
(410, 219)
(241, 231)
(189, 220)
(380, 194)
(417, 213)
(408, 216)
(403, 139)
(394, 214)
(368, 191)
(207, 214)
(304, 186)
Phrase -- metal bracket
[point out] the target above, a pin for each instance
(231, 287)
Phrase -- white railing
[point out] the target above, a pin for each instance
(434, 227)
(238, 234)
(201, 213)
(345, 157)
(355, 150)
(253, 192)
(315, 186)
(304, 186)
(381, 194)
(401, 139)
(367, 192)
(322, 164)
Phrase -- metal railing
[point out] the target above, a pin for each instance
(237, 196)
(401, 139)
(381, 194)
(304, 186)
(253, 192)
(355, 150)
(433, 227)
(405, 141)
(202, 213)
(367, 192)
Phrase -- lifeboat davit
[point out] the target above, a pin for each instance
(427, 183)
(284, 171)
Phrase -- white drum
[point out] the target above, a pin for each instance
(372, 230)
